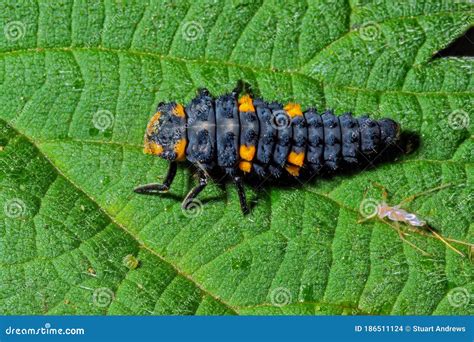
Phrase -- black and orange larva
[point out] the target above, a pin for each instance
(246, 135)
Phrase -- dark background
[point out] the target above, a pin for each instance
(463, 46)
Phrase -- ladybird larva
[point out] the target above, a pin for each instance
(250, 136)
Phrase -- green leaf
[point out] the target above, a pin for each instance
(79, 81)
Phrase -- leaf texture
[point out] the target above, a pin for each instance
(79, 81)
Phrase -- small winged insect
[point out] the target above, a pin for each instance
(248, 136)
(397, 214)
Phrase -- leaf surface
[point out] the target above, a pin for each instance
(79, 81)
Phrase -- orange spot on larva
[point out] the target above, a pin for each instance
(296, 158)
(245, 166)
(180, 149)
(247, 152)
(293, 109)
(246, 104)
(151, 123)
(152, 148)
(293, 170)
(179, 111)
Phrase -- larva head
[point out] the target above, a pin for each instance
(165, 134)
(390, 131)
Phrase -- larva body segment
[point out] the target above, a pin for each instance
(201, 131)
(350, 135)
(266, 140)
(227, 118)
(332, 141)
(247, 136)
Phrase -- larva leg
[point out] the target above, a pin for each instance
(203, 92)
(243, 87)
(240, 190)
(155, 188)
(196, 190)
(238, 88)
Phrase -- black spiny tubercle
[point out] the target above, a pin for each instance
(249, 136)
